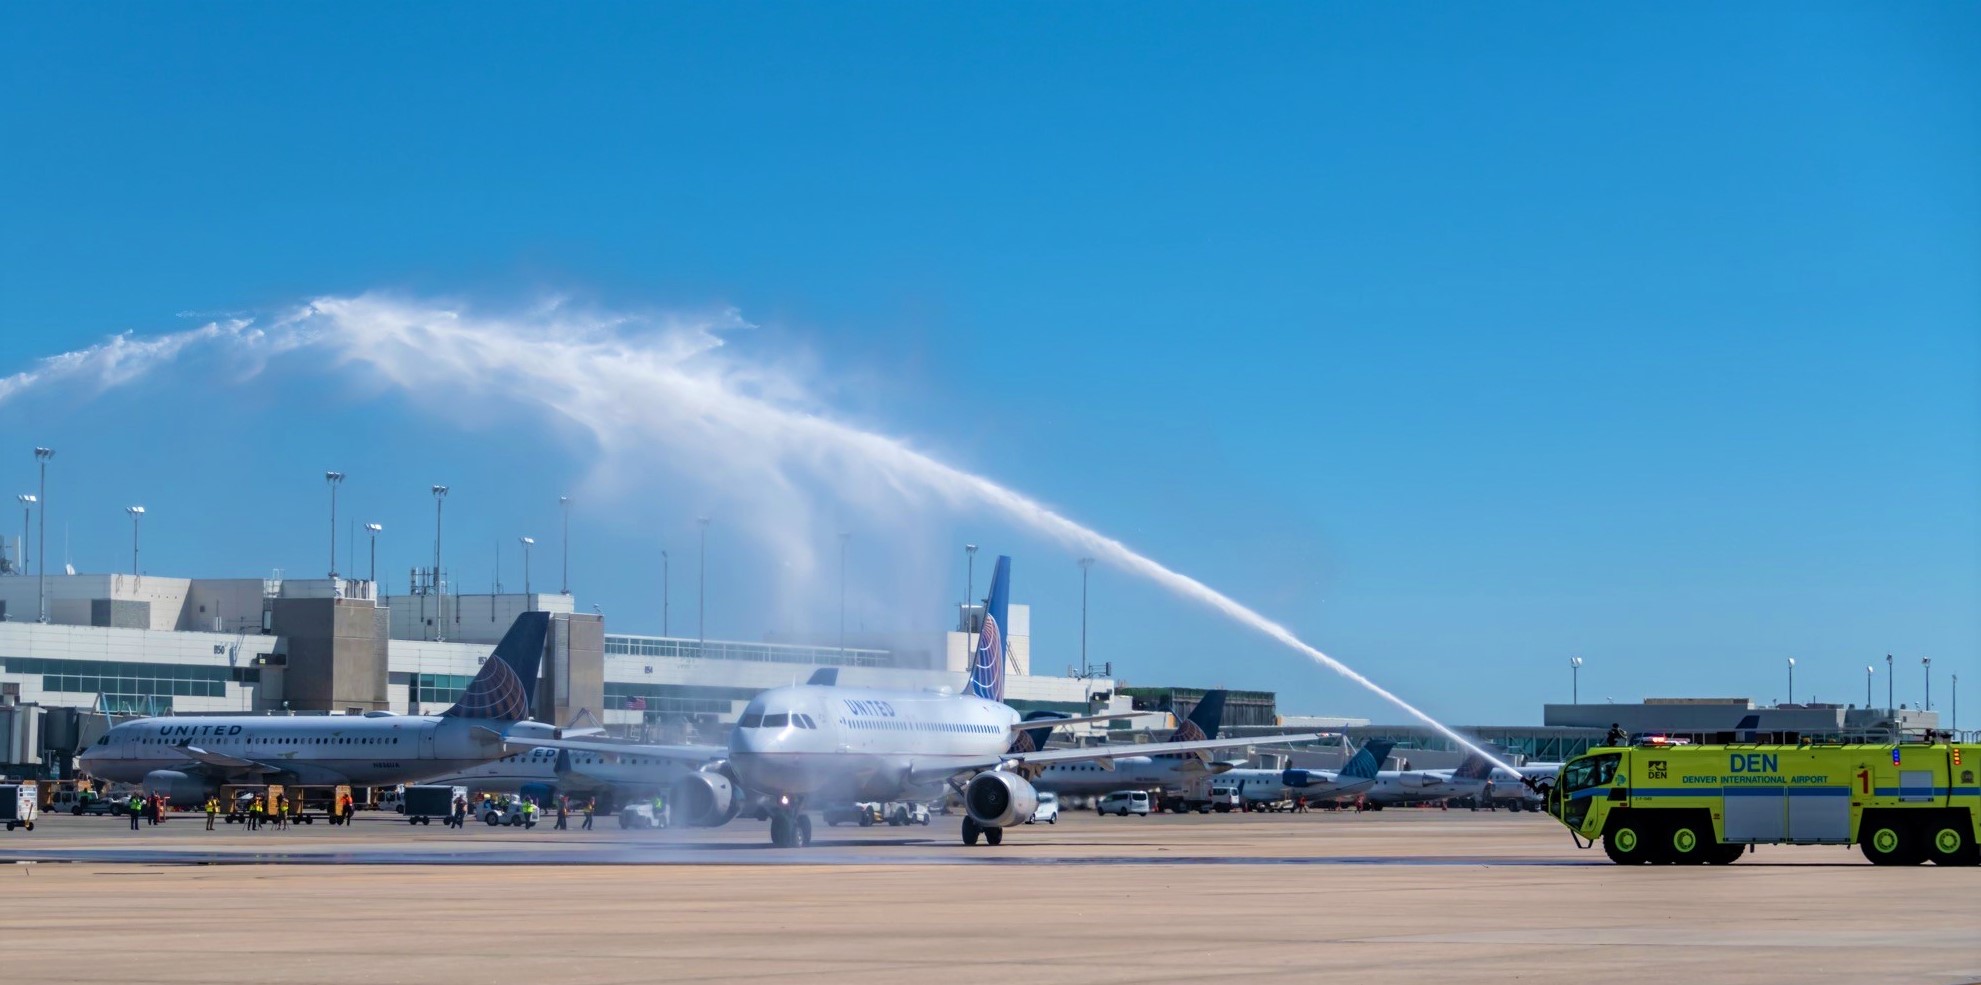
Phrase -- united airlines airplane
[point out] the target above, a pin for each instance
(1398, 787)
(819, 742)
(188, 758)
(1318, 786)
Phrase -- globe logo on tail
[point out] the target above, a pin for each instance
(495, 693)
(987, 673)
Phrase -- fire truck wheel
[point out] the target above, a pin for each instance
(1951, 844)
(1688, 842)
(1627, 844)
(1886, 841)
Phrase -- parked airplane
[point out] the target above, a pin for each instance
(1318, 786)
(1396, 787)
(1134, 769)
(614, 773)
(819, 742)
(188, 758)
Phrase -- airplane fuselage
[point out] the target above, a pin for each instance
(842, 743)
(316, 749)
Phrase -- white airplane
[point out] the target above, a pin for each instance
(1397, 787)
(1318, 786)
(818, 742)
(614, 773)
(1134, 768)
(188, 758)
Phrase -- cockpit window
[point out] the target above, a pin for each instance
(749, 720)
(804, 721)
(779, 720)
(1592, 771)
(103, 740)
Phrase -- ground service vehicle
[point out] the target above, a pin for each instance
(1124, 803)
(1899, 804)
(79, 802)
(1047, 811)
(20, 804)
(421, 804)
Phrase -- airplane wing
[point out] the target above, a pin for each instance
(1052, 757)
(1027, 726)
(229, 763)
(685, 754)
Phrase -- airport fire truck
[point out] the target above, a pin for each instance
(1899, 803)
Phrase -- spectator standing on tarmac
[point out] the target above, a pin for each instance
(591, 805)
(563, 812)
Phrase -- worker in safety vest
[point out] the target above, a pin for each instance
(137, 810)
(212, 811)
(529, 813)
(591, 805)
(255, 812)
(659, 811)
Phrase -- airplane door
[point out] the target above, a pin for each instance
(426, 742)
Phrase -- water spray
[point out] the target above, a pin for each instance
(665, 388)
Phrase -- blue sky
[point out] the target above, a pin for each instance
(1460, 342)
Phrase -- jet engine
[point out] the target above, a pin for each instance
(704, 799)
(182, 790)
(1301, 778)
(997, 799)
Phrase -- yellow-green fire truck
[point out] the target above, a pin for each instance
(1901, 804)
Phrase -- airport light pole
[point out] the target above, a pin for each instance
(1868, 673)
(1956, 702)
(969, 600)
(1927, 664)
(373, 529)
(564, 502)
(1575, 680)
(42, 455)
(701, 588)
(1086, 564)
(27, 512)
(440, 601)
(1791, 680)
(137, 513)
(333, 480)
(527, 543)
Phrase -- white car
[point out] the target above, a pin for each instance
(1048, 809)
(1124, 803)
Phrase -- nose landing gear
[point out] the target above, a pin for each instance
(790, 828)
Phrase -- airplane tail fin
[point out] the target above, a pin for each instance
(824, 677)
(1204, 721)
(1746, 728)
(1368, 760)
(505, 688)
(1034, 739)
(1475, 767)
(987, 664)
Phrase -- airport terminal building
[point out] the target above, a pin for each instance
(120, 645)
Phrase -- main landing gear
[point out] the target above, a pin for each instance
(971, 829)
(790, 827)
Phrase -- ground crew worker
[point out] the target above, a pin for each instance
(1300, 804)
(563, 812)
(460, 816)
(212, 811)
(591, 805)
(137, 810)
(1617, 736)
(529, 813)
(659, 811)
(255, 811)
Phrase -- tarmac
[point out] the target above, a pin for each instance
(1400, 895)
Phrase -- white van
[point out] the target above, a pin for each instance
(1048, 809)
(1124, 803)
